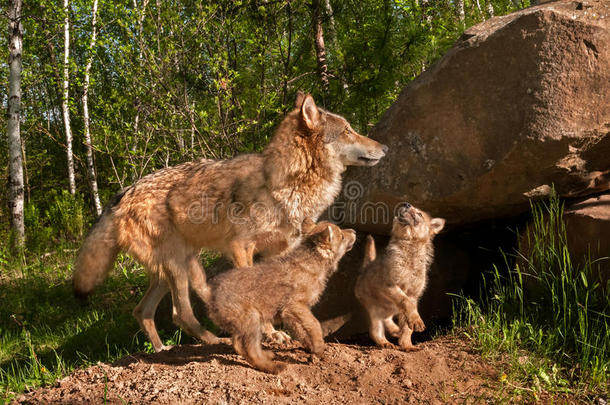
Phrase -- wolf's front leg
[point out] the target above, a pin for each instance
(404, 341)
(302, 318)
(408, 307)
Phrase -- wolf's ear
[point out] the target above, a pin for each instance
(327, 235)
(309, 112)
(308, 225)
(298, 101)
(437, 225)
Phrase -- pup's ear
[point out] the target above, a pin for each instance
(327, 235)
(437, 225)
(308, 225)
(309, 112)
(298, 101)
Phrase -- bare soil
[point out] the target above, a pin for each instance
(444, 370)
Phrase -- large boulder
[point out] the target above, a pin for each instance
(588, 234)
(519, 104)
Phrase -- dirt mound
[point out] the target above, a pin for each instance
(444, 370)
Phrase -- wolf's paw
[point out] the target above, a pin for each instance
(280, 337)
(387, 345)
(164, 348)
(209, 338)
(410, 348)
(417, 324)
(276, 367)
(318, 349)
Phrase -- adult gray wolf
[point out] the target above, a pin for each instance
(250, 204)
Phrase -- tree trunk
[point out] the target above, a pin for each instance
(479, 9)
(425, 5)
(66, 98)
(15, 45)
(330, 14)
(319, 44)
(460, 11)
(490, 9)
(90, 165)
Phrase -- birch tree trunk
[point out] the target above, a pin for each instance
(15, 46)
(425, 5)
(88, 144)
(66, 98)
(331, 19)
(319, 44)
(460, 11)
(490, 9)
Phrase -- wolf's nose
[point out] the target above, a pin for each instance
(384, 148)
(407, 205)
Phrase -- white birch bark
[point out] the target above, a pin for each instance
(460, 11)
(65, 107)
(490, 8)
(319, 45)
(88, 144)
(15, 45)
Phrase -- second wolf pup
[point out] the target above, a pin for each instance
(392, 284)
(289, 285)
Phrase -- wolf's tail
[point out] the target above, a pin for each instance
(369, 251)
(96, 256)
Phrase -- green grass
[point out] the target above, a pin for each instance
(547, 317)
(45, 333)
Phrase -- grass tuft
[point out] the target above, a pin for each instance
(549, 315)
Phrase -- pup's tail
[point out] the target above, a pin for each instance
(96, 256)
(369, 251)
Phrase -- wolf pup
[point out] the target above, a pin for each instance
(238, 207)
(286, 286)
(392, 284)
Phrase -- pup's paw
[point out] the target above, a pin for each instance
(164, 348)
(387, 345)
(277, 367)
(417, 324)
(318, 349)
(410, 348)
(278, 336)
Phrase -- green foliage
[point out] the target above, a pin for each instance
(173, 81)
(66, 215)
(45, 333)
(548, 305)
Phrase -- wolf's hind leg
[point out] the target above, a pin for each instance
(146, 308)
(391, 327)
(251, 336)
(377, 332)
(183, 312)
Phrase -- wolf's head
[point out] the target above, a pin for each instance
(412, 223)
(337, 134)
(331, 241)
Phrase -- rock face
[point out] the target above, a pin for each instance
(521, 102)
(588, 229)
